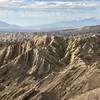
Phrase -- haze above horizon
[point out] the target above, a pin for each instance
(42, 12)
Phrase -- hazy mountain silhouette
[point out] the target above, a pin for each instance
(50, 27)
(6, 25)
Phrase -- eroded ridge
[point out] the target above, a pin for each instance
(50, 66)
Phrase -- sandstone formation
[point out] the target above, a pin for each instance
(50, 68)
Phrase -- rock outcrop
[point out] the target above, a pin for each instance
(50, 68)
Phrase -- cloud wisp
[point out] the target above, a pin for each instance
(22, 4)
(69, 5)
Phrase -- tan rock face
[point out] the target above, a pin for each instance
(50, 68)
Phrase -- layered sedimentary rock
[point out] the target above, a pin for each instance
(50, 68)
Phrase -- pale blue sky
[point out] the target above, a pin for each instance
(41, 12)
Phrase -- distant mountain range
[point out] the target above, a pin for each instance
(5, 27)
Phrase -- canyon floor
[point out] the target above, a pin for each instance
(50, 67)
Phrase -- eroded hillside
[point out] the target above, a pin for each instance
(50, 68)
